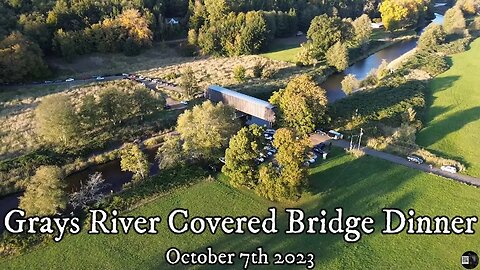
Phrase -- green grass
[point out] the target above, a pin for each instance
(287, 55)
(361, 186)
(285, 49)
(453, 118)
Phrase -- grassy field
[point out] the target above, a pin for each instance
(453, 118)
(361, 186)
(285, 49)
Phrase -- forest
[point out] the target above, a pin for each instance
(31, 30)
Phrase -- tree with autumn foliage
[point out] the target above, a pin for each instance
(302, 104)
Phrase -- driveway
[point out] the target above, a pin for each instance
(317, 138)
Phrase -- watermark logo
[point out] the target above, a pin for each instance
(469, 260)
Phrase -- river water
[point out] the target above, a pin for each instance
(115, 178)
(362, 68)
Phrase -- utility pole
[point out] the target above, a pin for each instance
(360, 138)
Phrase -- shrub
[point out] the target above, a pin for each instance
(357, 153)
(239, 73)
(432, 63)
(258, 69)
(171, 76)
(457, 46)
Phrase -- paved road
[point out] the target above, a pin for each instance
(317, 138)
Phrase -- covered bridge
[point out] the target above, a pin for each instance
(243, 103)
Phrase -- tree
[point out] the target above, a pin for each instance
(239, 73)
(350, 83)
(88, 111)
(325, 31)
(44, 193)
(253, 34)
(469, 6)
(270, 185)
(135, 161)
(136, 26)
(56, 120)
(397, 14)
(171, 154)
(144, 102)
(307, 54)
(113, 105)
(337, 56)
(34, 26)
(291, 153)
(21, 59)
(240, 156)
(302, 104)
(431, 38)
(207, 129)
(90, 191)
(189, 82)
(454, 21)
(289, 178)
(363, 30)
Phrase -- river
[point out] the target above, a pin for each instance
(363, 67)
(115, 178)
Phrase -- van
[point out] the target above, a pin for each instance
(450, 169)
(335, 135)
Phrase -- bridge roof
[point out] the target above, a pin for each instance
(248, 98)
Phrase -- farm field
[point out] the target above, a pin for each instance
(361, 186)
(453, 118)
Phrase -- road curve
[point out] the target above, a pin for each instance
(317, 138)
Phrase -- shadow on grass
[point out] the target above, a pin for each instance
(440, 129)
(358, 186)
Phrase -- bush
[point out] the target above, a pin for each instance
(457, 46)
(384, 104)
(258, 70)
(171, 76)
(432, 63)
(356, 152)
(239, 73)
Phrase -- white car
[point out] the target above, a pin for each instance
(450, 169)
(222, 159)
(99, 78)
(184, 102)
(70, 80)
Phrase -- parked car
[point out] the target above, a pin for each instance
(415, 159)
(260, 159)
(319, 148)
(270, 131)
(335, 135)
(448, 168)
(70, 80)
(321, 132)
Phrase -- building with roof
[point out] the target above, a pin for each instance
(243, 103)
